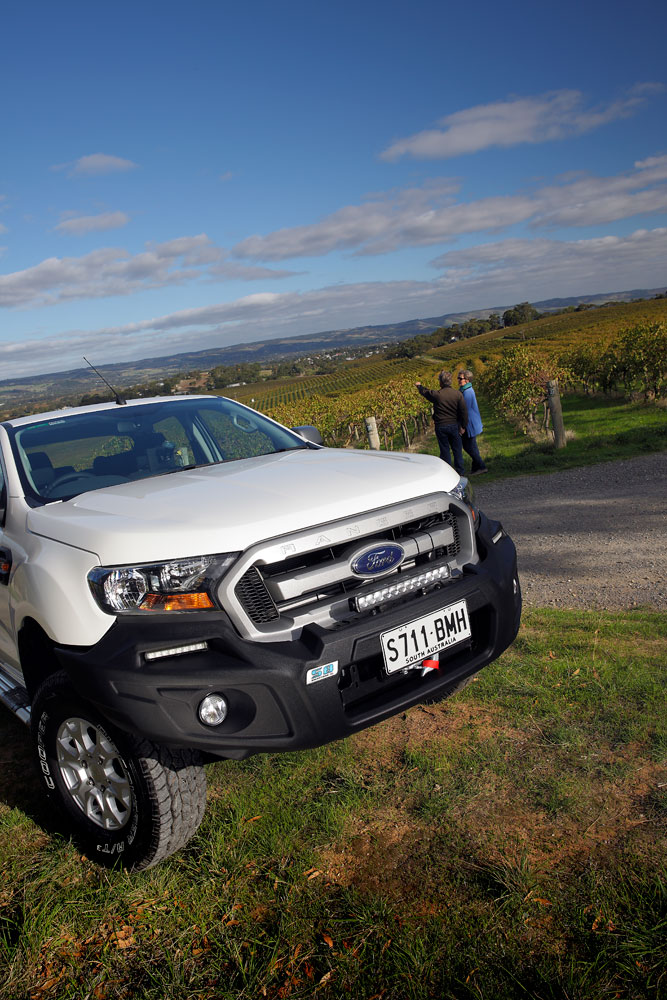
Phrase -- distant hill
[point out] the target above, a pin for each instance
(79, 381)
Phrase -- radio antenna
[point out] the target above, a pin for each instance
(120, 400)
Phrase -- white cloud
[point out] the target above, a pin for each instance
(95, 165)
(555, 115)
(264, 314)
(431, 214)
(113, 271)
(652, 161)
(520, 269)
(3, 229)
(593, 200)
(227, 176)
(494, 275)
(81, 225)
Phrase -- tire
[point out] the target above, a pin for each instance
(139, 802)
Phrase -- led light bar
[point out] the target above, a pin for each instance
(159, 654)
(370, 599)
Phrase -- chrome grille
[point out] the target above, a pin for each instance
(283, 584)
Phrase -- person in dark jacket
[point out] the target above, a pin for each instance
(450, 417)
(474, 425)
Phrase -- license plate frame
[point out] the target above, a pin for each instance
(406, 646)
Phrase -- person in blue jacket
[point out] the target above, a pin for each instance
(474, 425)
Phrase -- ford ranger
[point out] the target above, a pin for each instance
(183, 579)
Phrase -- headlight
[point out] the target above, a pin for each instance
(178, 585)
(464, 491)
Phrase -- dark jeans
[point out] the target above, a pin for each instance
(448, 434)
(470, 445)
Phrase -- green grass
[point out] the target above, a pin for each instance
(508, 843)
(600, 429)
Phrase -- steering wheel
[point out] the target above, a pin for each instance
(66, 478)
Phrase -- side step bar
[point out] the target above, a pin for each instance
(14, 697)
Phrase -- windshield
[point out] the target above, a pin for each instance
(67, 455)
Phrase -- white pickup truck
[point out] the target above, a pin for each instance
(183, 579)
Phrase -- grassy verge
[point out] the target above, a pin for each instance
(510, 842)
(600, 430)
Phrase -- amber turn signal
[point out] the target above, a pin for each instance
(177, 602)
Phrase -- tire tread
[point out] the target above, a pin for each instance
(174, 779)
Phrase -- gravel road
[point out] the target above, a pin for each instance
(593, 537)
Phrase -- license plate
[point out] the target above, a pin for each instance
(409, 644)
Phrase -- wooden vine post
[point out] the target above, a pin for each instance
(553, 399)
(372, 433)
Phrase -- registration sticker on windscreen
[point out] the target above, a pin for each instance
(408, 645)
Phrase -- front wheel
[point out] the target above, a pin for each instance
(124, 799)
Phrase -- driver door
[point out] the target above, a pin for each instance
(8, 652)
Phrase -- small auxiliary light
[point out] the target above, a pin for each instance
(213, 710)
(369, 599)
(160, 654)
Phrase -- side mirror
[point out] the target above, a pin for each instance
(310, 433)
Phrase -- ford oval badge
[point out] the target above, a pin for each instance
(378, 559)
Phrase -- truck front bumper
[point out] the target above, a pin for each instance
(271, 707)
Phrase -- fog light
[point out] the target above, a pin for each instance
(213, 710)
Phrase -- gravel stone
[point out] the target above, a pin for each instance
(592, 537)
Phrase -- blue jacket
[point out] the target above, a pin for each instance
(474, 426)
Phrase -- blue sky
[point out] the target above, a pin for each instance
(176, 176)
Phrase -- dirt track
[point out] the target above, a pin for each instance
(589, 537)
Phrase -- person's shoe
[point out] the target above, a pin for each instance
(479, 472)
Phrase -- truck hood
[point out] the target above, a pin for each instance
(227, 507)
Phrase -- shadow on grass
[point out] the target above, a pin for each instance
(20, 785)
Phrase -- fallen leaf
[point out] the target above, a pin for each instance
(327, 940)
(123, 938)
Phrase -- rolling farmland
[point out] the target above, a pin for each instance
(338, 402)
(267, 396)
(551, 334)
(563, 331)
